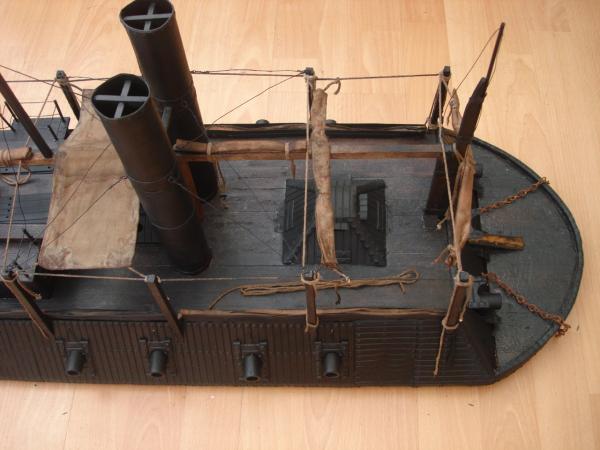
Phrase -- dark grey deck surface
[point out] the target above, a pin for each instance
(246, 243)
(547, 272)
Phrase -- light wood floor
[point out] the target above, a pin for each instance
(542, 107)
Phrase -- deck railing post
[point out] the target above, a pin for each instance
(19, 112)
(28, 303)
(65, 85)
(163, 302)
(432, 121)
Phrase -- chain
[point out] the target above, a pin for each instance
(513, 198)
(563, 326)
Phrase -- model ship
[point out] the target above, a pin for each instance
(145, 247)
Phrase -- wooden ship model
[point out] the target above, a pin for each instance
(347, 254)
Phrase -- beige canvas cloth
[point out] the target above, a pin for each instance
(105, 235)
(464, 204)
(321, 156)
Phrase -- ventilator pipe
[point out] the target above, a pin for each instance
(154, 34)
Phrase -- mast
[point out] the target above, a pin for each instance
(472, 111)
(437, 202)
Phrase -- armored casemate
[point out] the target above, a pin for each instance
(143, 246)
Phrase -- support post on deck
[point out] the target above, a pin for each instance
(309, 278)
(460, 295)
(437, 202)
(28, 303)
(163, 302)
(65, 85)
(432, 122)
(17, 110)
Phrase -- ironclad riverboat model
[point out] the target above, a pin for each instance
(142, 246)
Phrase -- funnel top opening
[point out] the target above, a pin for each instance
(146, 15)
(120, 96)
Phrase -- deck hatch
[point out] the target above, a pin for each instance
(360, 222)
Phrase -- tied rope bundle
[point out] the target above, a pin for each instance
(403, 279)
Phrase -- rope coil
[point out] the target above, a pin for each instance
(402, 280)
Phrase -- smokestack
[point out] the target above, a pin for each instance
(154, 34)
(131, 120)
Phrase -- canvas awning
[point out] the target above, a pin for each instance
(94, 211)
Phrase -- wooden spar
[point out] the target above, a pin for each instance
(470, 117)
(496, 241)
(36, 160)
(472, 112)
(12, 157)
(24, 118)
(494, 56)
(274, 150)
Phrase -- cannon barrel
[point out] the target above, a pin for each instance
(75, 362)
(331, 365)
(132, 122)
(152, 29)
(252, 368)
(158, 363)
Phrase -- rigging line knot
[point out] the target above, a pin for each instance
(469, 293)
(35, 295)
(438, 226)
(447, 256)
(310, 81)
(336, 269)
(460, 158)
(311, 326)
(454, 102)
(7, 161)
(447, 327)
(314, 282)
(337, 82)
(15, 279)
